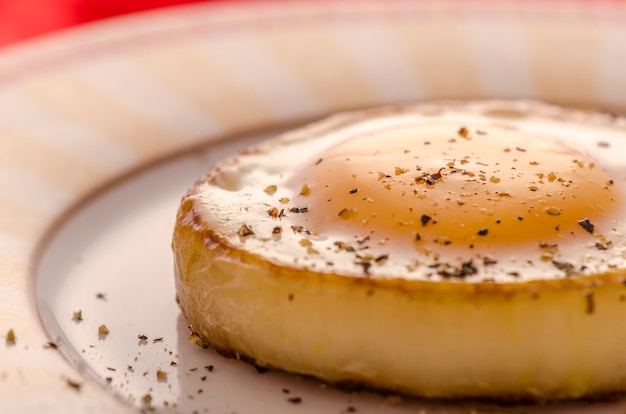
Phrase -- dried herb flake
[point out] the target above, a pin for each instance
(245, 230)
(103, 331)
(347, 213)
(77, 316)
(11, 337)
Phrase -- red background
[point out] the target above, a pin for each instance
(22, 19)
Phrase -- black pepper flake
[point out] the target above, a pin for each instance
(429, 179)
(587, 225)
(155, 340)
(295, 400)
(365, 265)
(487, 261)
(319, 161)
(50, 345)
(590, 304)
(520, 218)
(363, 240)
(286, 390)
(381, 258)
(603, 246)
(483, 232)
(434, 177)
(425, 219)
(298, 210)
(568, 268)
(74, 384)
(354, 190)
(466, 269)
(344, 246)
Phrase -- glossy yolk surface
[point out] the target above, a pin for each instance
(449, 187)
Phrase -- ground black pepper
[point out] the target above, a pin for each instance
(568, 268)
(587, 225)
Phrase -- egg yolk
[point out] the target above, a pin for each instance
(444, 186)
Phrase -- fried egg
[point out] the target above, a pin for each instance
(446, 250)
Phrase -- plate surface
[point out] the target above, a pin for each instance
(84, 107)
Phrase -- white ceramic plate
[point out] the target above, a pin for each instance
(82, 110)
